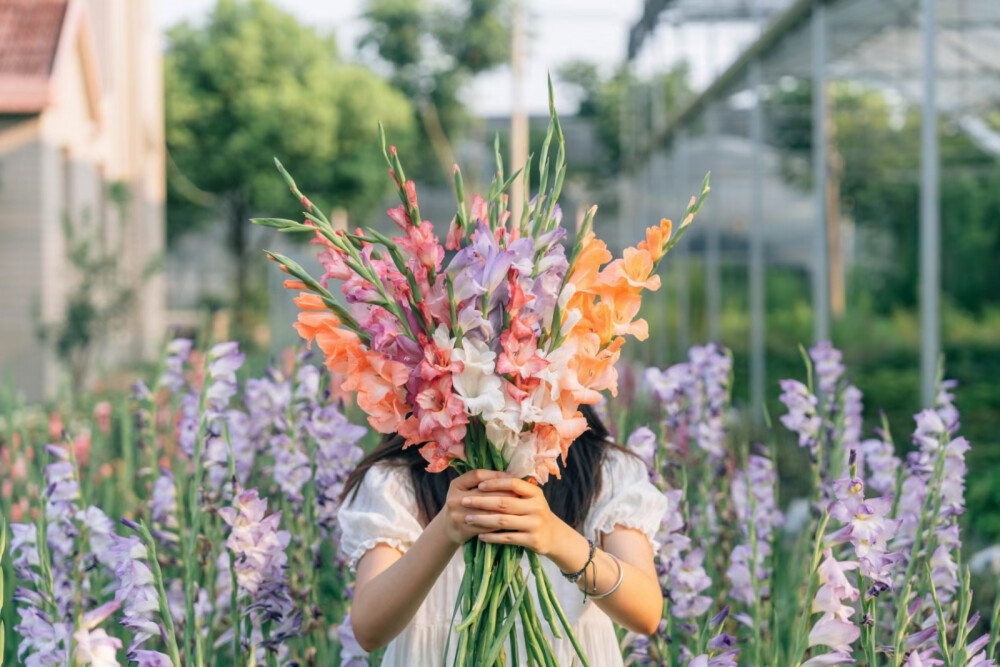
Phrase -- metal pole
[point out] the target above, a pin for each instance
(757, 312)
(930, 217)
(657, 178)
(518, 116)
(624, 177)
(821, 261)
(683, 259)
(713, 288)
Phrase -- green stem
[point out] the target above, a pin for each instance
(799, 639)
(559, 612)
(194, 527)
(168, 620)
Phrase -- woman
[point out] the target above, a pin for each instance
(403, 529)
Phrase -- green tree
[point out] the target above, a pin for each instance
(252, 83)
(433, 50)
(877, 149)
(606, 98)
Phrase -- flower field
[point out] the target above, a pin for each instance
(192, 522)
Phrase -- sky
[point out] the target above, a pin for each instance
(558, 31)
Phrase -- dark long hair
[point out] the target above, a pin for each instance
(569, 497)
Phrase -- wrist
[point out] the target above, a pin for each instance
(439, 527)
(571, 550)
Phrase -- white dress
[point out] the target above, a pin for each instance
(385, 512)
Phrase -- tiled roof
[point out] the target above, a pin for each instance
(29, 34)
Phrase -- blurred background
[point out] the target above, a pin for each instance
(853, 146)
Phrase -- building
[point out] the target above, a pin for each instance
(81, 108)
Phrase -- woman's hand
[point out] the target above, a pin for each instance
(456, 512)
(517, 508)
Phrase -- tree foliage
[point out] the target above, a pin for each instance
(433, 49)
(877, 145)
(608, 99)
(252, 83)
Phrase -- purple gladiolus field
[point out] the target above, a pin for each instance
(192, 521)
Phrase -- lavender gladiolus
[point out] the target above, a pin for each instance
(260, 560)
(177, 353)
(802, 418)
(135, 590)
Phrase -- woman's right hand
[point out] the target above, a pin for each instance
(453, 513)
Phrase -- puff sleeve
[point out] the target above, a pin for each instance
(384, 511)
(627, 498)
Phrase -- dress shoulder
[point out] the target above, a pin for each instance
(383, 511)
(627, 498)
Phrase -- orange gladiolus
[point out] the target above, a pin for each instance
(337, 344)
(380, 383)
(593, 255)
(656, 239)
(309, 301)
(634, 269)
(317, 323)
(597, 319)
(595, 367)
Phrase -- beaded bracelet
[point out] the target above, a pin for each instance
(575, 577)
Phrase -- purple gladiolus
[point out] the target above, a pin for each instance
(101, 531)
(266, 401)
(834, 628)
(143, 658)
(725, 659)
(172, 378)
(43, 643)
(643, 442)
(135, 590)
(337, 454)
(934, 441)
(868, 528)
(62, 495)
(163, 504)
(44, 640)
(944, 405)
(828, 364)
(687, 581)
(351, 653)
(753, 500)
(24, 552)
(260, 561)
(853, 407)
(802, 418)
(292, 468)
(880, 459)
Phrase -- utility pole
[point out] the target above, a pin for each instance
(518, 116)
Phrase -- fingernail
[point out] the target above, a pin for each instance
(466, 501)
(468, 518)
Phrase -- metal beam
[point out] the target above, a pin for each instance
(930, 217)
(712, 226)
(758, 330)
(821, 259)
(683, 250)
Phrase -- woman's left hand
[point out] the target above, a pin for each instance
(520, 510)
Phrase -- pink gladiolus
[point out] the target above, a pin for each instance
(102, 415)
(422, 244)
(520, 351)
(455, 235)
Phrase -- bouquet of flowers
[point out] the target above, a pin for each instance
(484, 360)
